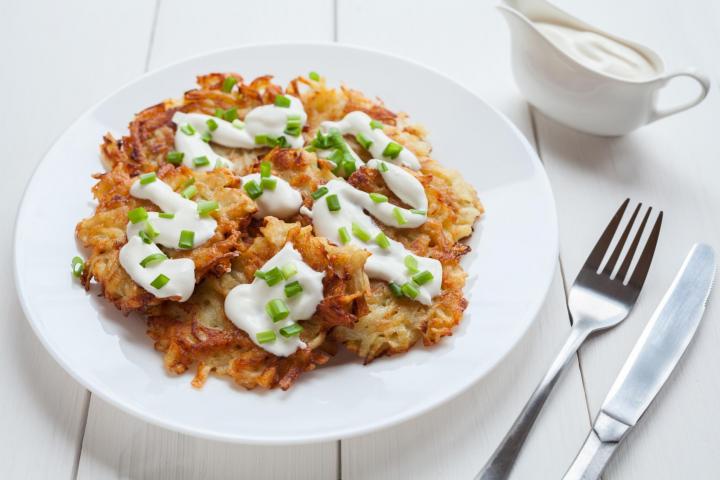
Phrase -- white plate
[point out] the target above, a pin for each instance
(510, 267)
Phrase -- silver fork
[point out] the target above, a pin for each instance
(596, 301)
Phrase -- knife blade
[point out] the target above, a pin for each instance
(652, 360)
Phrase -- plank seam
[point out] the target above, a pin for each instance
(79, 447)
(151, 42)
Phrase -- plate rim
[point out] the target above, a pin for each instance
(337, 433)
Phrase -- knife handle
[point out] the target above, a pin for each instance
(599, 446)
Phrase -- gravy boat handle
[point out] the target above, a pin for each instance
(657, 114)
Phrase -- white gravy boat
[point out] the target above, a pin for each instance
(572, 92)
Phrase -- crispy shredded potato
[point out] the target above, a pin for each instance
(362, 315)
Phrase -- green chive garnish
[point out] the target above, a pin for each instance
(145, 237)
(78, 265)
(282, 101)
(382, 240)
(375, 124)
(150, 231)
(423, 277)
(399, 216)
(205, 207)
(168, 216)
(228, 84)
(349, 166)
(265, 337)
(265, 169)
(273, 276)
(252, 189)
(175, 158)
(363, 140)
(231, 115)
(392, 150)
(360, 232)
(187, 239)
(188, 129)
(188, 182)
(268, 183)
(291, 330)
(333, 202)
(146, 178)
(160, 281)
(319, 193)
(238, 124)
(395, 289)
(212, 124)
(201, 161)
(344, 235)
(206, 137)
(261, 140)
(288, 270)
(314, 76)
(260, 274)
(219, 112)
(277, 309)
(189, 192)
(410, 290)
(292, 289)
(153, 259)
(419, 212)
(411, 263)
(382, 167)
(294, 125)
(378, 197)
(137, 215)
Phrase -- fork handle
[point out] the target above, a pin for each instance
(502, 461)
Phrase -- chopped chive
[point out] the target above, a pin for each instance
(282, 101)
(337, 157)
(395, 289)
(228, 84)
(321, 141)
(410, 290)
(238, 124)
(419, 212)
(265, 337)
(363, 141)
(317, 194)
(205, 207)
(187, 239)
(175, 158)
(360, 232)
(294, 125)
(137, 215)
(291, 330)
(344, 235)
(273, 276)
(219, 112)
(292, 289)
(288, 270)
(160, 281)
(349, 166)
(212, 124)
(268, 183)
(262, 140)
(153, 259)
(279, 142)
(168, 216)
(392, 150)
(145, 237)
(230, 114)
(399, 216)
(78, 265)
(201, 161)
(411, 263)
(150, 231)
(252, 189)
(314, 76)
(260, 274)
(277, 309)
(382, 167)
(146, 178)
(333, 202)
(378, 197)
(382, 240)
(188, 182)
(293, 131)
(375, 124)
(265, 169)
(189, 192)
(206, 137)
(423, 277)
(188, 129)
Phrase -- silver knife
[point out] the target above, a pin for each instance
(650, 363)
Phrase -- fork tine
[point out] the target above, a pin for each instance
(625, 267)
(621, 243)
(638, 277)
(598, 252)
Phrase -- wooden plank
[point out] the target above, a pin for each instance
(468, 41)
(119, 446)
(673, 166)
(60, 58)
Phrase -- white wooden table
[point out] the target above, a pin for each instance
(59, 58)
